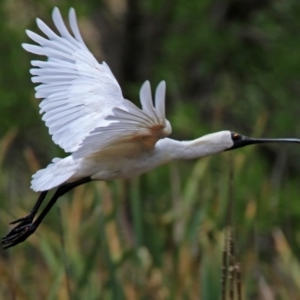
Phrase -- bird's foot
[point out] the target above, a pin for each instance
(25, 220)
(20, 233)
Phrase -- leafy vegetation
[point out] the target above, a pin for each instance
(228, 65)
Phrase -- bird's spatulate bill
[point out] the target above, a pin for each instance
(245, 141)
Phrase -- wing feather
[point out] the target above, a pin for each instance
(60, 25)
(146, 100)
(160, 96)
(74, 26)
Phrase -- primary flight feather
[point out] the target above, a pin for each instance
(108, 136)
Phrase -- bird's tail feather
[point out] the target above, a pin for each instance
(56, 173)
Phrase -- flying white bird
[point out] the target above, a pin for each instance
(108, 136)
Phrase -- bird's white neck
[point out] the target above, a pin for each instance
(203, 146)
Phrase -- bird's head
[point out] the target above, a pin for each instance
(239, 140)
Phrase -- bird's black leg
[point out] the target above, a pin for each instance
(28, 219)
(26, 227)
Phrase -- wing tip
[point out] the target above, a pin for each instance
(72, 12)
(55, 11)
(160, 98)
(146, 84)
(145, 89)
(26, 46)
(39, 23)
(162, 83)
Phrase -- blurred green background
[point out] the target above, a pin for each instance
(228, 65)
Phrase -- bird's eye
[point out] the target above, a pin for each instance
(235, 136)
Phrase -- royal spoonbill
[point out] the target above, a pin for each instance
(108, 136)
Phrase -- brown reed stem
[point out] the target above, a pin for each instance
(231, 265)
(224, 268)
(238, 281)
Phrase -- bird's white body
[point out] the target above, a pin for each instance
(127, 161)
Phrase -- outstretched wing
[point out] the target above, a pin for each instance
(82, 99)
